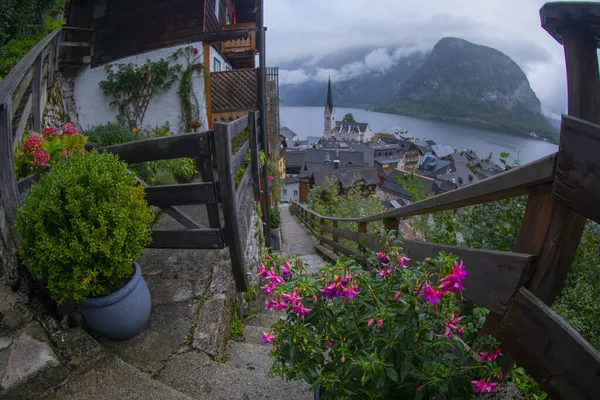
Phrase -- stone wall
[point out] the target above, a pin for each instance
(60, 106)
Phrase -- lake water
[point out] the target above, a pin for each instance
(308, 121)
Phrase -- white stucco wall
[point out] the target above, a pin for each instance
(93, 106)
(288, 192)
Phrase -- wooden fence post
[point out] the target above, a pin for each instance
(232, 231)
(362, 228)
(254, 161)
(36, 86)
(335, 236)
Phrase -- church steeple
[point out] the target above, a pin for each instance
(329, 113)
(329, 97)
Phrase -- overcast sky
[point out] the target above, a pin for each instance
(313, 28)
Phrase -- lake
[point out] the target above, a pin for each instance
(308, 121)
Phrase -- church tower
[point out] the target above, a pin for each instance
(329, 113)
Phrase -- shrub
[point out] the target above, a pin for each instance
(275, 217)
(110, 133)
(83, 225)
(39, 151)
(395, 333)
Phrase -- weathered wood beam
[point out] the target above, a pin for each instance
(552, 352)
(238, 158)
(180, 194)
(226, 35)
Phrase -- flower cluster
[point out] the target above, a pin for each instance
(450, 283)
(341, 287)
(39, 151)
(357, 321)
(275, 271)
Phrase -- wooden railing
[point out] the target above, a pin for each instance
(563, 189)
(241, 44)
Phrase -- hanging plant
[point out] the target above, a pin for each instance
(191, 108)
(131, 87)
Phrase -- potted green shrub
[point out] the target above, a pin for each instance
(82, 227)
(399, 332)
(275, 224)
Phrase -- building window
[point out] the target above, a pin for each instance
(217, 65)
(217, 7)
(295, 193)
(285, 192)
(227, 68)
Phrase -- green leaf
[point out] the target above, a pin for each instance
(404, 371)
(392, 374)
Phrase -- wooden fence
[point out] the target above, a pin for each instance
(563, 189)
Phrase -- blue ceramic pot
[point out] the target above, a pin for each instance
(122, 314)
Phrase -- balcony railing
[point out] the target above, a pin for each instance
(247, 44)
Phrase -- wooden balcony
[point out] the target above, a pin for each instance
(243, 44)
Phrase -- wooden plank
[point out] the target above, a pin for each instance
(36, 87)
(552, 352)
(507, 184)
(15, 76)
(22, 88)
(206, 238)
(204, 165)
(242, 188)
(326, 217)
(77, 28)
(25, 113)
(337, 232)
(183, 218)
(8, 182)
(76, 44)
(239, 157)
(238, 126)
(557, 17)
(492, 276)
(337, 247)
(577, 182)
(180, 194)
(254, 150)
(232, 231)
(163, 148)
(207, 87)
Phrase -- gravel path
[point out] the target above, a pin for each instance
(296, 240)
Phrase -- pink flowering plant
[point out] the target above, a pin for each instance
(39, 151)
(396, 332)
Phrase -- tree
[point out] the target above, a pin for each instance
(349, 118)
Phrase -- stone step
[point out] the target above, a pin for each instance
(112, 378)
(196, 375)
(250, 356)
(253, 334)
(265, 318)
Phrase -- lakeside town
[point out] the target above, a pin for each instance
(350, 154)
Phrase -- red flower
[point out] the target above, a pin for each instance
(145, 74)
(195, 51)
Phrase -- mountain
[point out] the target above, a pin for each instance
(356, 83)
(467, 83)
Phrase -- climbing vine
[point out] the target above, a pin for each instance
(132, 87)
(191, 116)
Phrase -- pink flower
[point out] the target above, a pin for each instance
(301, 310)
(276, 304)
(371, 322)
(314, 299)
(286, 269)
(383, 258)
(330, 345)
(483, 385)
(380, 323)
(292, 298)
(398, 294)
(271, 178)
(273, 277)
(349, 292)
(453, 281)
(50, 131)
(431, 294)
(69, 129)
(33, 142)
(492, 355)
(268, 289)
(401, 260)
(41, 158)
(262, 270)
(343, 359)
(329, 291)
(268, 337)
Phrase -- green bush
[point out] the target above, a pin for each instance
(275, 217)
(83, 225)
(110, 133)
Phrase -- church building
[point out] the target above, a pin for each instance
(343, 130)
